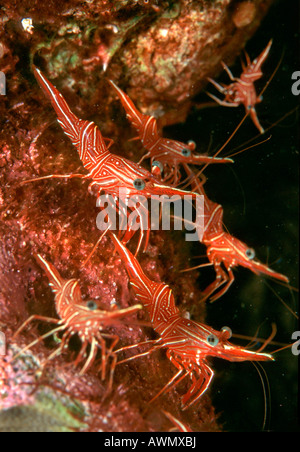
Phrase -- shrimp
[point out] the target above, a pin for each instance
(224, 250)
(242, 90)
(188, 343)
(81, 318)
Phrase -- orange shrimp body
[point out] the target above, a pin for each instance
(242, 90)
(170, 153)
(225, 250)
(78, 317)
(188, 343)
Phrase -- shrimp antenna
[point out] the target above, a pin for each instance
(258, 135)
(281, 300)
(95, 247)
(267, 393)
(218, 152)
(273, 74)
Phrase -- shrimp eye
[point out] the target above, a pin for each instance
(226, 332)
(212, 340)
(186, 152)
(157, 164)
(139, 184)
(250, 253)
(91, 305)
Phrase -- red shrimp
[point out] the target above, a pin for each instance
(188, 343)
(242, 90)
(78, 317)
(170, 153)
(108, 172)
(224, 251)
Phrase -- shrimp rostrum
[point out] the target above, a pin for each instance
(166, 155)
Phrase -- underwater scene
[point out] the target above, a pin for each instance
(149, 218)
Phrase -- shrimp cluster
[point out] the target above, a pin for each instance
(188, 343)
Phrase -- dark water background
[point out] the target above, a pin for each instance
(259, 194)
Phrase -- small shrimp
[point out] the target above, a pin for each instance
(188, 343)
(223, 249)
(81, 318)
(170, 153)
(242, 90)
